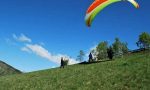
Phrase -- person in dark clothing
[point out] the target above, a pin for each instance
(110, 53)
(62, 63)
(90, 57)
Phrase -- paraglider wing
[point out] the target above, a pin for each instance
(95, 8)
(134, 3)
(98, 5)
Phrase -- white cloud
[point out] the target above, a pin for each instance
(22, 38)
(25, 49)
(40, 51)
(44, 53)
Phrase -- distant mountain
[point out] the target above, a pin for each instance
(6, 69)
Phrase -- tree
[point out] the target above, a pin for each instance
(81, 55)
(102, 50)
(144, 40)
(95, 54)
(125, 48)
(119, 47)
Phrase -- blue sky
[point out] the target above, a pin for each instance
(34, 34)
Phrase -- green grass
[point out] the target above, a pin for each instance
(129, 73)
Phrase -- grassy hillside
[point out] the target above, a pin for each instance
(6, 69)
(129, 73)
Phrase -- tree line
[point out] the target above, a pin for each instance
(104, 51)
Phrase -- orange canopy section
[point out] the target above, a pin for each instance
(95, 4)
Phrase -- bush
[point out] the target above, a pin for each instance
(66, 62)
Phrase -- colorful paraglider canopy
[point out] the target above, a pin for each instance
(98, 5)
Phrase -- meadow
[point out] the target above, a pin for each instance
(131, 72)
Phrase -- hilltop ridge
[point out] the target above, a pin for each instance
(6, 69)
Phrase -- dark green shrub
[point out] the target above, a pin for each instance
(66, 62)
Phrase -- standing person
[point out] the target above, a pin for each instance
(62, 63)
(90, 57)
(110, 53)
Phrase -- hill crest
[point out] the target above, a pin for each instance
(6, 69)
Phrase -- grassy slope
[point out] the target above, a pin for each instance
(129, 73)
(6, 69)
